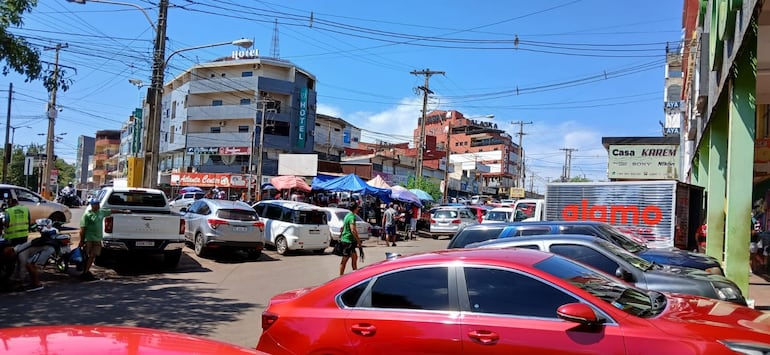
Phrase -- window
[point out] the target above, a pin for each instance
(586, 255)
(505, 292)
(260, 209)
(245, 101)
(238, 215)
(311, 217)
(584, 230)
(467, 236)
(24, 195)
(277, 128)
(273, 212)
(243, 129)
(216, 102)
(445, 214)
(524, 231)
(351, 296)
(204, 208)
(215, 130)
(426, 289)
(136, 199)
(246, 74)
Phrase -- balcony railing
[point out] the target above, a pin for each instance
(221, 112)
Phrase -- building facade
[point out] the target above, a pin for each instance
(105, 157)
(726, 92)
(85, 152)
(212, 114)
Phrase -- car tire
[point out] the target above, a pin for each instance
(171, 259)
(200, 247)
(435, 236)
(57, 217)
(281, 246)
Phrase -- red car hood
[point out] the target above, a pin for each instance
(98, 340)
(728, 321)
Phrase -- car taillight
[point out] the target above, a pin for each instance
(259, 225)
(108, 224)
(214, 223)
(432, 221)
(268, 319)
(455, 221)
(182, 226)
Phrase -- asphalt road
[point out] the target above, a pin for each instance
(220, 298)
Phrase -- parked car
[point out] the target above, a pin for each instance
(485, 301)
(613, 260)
(480, 211)
(216, 224)
(449, 220)
(293, 225)
(38, 206)
(335, 216)
(115, 340)
(498, 214)
(185, 200)
(674, 257)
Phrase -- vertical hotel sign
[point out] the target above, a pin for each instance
(302, 135)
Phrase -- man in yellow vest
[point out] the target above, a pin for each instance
(17, 222)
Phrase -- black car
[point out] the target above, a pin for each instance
(613, 260)
(672, 256)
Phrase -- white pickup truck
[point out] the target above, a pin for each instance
(149, 226)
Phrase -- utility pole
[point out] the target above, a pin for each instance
(520, 181)
(425, 92)
(154, 96)
(49, 152)
(8, 146)
(567, 169)
(446, 165)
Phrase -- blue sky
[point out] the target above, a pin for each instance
(581, 70)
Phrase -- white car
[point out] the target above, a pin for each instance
(499, 214)
(184, 200)
(294, 225)
(335, 216)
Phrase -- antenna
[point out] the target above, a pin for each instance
(274, 51)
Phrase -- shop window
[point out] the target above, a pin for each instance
(215, 130)
(247, 74)
(245, 101)
(243, 129)
(216, 102)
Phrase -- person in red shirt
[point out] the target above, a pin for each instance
(413, 222)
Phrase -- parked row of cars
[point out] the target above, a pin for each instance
(286, 225)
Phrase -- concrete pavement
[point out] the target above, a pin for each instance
(759, 291)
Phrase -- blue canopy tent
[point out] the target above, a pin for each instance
(351, 183)
(320, 179)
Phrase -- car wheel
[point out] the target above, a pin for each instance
(58, 217)
(200, 248)
(171, 258)
(435, 236)
(281, 246)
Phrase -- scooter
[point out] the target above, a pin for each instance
(49, 235)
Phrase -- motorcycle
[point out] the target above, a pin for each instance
(62, 257)
(69, 199)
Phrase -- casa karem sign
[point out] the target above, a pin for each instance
(209, 180)
(643, 161)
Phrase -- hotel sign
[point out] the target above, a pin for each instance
(645, 161)
(302, 124)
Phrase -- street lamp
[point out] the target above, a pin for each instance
(83, 2)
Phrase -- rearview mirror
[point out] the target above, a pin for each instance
(578, 313)
(624, 275)
(183, 210)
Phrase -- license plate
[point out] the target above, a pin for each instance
(240, 229)
(315, 231)
(145, 244)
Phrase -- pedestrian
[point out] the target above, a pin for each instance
(17, 222)
(31, 255)
(415, 217)
(349, 239)
(389, 223)
(91, 235)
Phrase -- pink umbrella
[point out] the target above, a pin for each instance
(290, 182)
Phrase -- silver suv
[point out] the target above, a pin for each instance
(451, 219)
(185, 200)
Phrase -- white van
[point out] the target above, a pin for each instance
(499, 214)
(293, 225)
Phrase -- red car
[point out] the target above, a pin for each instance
(99, 340)
(515, 301)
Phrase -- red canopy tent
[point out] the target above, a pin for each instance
(290, 182)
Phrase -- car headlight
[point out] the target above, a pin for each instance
(747, 348)
(716, 270)
(726, 291)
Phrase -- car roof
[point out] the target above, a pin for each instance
(469, 256)
(536, 238)
(557, 223)
(227, 204)
(292, 204)
(502, 209)
(335, 209)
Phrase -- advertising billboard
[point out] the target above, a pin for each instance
(643, 161)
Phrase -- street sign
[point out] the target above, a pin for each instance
(54, 176)
(29, 164)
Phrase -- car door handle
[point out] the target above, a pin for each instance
(364, 329)
(484, 337)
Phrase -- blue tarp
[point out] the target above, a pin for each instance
(351, 183)
(320, 179)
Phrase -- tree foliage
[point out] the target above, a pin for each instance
(426, 185)
(20, 56)
(16, 168)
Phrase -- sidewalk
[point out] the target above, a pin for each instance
(759, 291)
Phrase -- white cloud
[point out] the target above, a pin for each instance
(395, 124)
(329, 110)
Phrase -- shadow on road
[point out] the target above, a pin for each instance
(161, 302)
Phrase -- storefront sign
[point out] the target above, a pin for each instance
(646, 161)
(233, 150)
(302, 122)
(210, 180)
